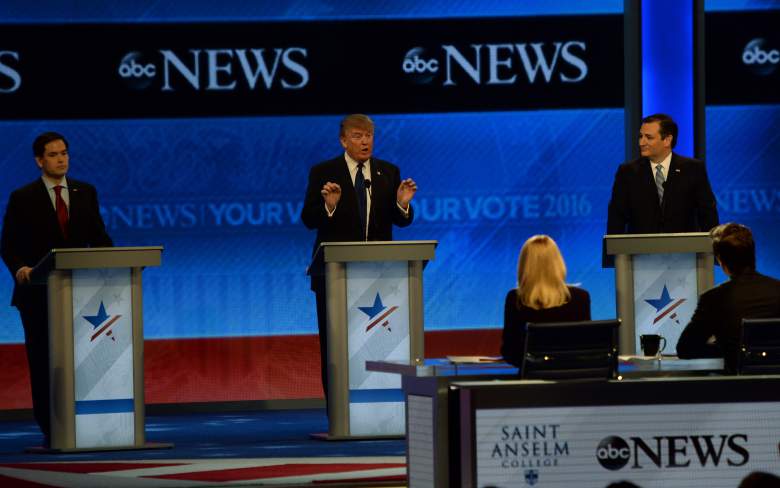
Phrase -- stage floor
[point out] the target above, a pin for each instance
(263, 448)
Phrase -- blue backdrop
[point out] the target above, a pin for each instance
(223, 195)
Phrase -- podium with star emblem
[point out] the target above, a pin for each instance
(96, 347)
(374, 296)
(658, 280)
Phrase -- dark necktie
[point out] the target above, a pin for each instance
(360, 188)
(62, 211)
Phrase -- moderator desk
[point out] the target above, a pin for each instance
(703, 431)
(426, 386)
(433, 406)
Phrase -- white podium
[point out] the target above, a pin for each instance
(375, 312)
(96, 366)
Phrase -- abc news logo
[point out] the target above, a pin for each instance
(614, 453)
(498, 64)
(10, 78)
(760, 59)
(216, 69)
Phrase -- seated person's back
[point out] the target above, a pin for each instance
(714, 329)
(541, 296)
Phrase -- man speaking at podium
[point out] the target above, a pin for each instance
(353, 197)
(661, 191)
(51, 212)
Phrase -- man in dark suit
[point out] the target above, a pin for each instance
(353, 197)
(714, 329)
(661, 191)
(51, 212)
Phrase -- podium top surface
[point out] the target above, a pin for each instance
(99, 257)
(628, 367)
(440, 367)
(329, 252)
(686, 242)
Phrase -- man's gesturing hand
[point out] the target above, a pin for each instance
(331, 193)
(406, 191)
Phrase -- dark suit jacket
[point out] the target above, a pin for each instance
(344, 225)
(688, 206)
(720, 312)
(513, 337)
(31, 229)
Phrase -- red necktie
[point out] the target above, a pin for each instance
(62, 211)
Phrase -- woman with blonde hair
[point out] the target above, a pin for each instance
(542, 295)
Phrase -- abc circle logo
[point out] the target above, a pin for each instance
(136, 71)
(613, 453)
(419, 67)
(415, 63)
(759, 59)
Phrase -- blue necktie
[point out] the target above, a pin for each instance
(360, 188)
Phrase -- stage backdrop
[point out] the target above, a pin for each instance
(743, 108)
(198, 129)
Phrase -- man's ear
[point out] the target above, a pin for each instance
(39, 162)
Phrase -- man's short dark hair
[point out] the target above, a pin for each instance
(733, 245)
(668, 127)
(759, 479)
(359, 121)
(622, 484)
(39, 144)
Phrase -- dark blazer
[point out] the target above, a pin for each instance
(31, 229)
(513, 337)
(344, 225)
(688, 206)
(720, 311)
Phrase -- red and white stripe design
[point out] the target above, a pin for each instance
(205, 472)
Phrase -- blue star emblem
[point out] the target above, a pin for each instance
(98, 319)
(663, 301)
(375, 309)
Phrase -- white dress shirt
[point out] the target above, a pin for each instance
(664, 166)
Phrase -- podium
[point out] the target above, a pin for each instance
(658, 279)
(96, 366)
(374, 297)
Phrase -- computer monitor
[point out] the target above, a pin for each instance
(571, 350)
(759, 347)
